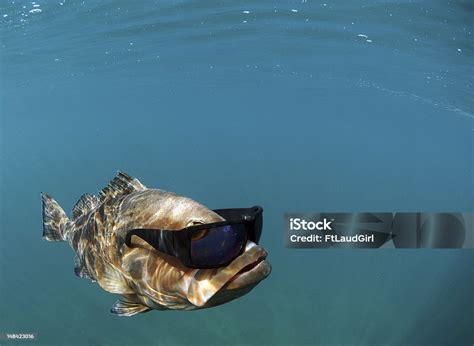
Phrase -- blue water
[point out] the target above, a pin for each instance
(296, 105)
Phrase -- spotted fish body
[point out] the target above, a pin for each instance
(144, 277)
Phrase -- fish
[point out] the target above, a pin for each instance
(145, 278)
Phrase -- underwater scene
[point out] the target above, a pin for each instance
(296, 106)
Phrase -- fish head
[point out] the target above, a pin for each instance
(163, 281)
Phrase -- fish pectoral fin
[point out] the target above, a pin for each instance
(126, 307)
(112, 281)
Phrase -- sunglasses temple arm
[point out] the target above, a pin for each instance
(128, 238)
(162, 241)
(141, 233)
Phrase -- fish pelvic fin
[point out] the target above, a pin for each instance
(85, 204)
(55, 221)
(122, 184)
(127, 307)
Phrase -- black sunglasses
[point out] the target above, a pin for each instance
(210, 245)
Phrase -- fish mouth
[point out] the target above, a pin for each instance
(244, 272)
(242, 282)
(247, 268)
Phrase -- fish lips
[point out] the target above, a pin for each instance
(250, 274)
(245, 271)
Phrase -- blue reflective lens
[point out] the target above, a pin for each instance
(217, 246)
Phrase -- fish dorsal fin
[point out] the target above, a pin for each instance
(126, 307)
(85, 204)
(121, 185)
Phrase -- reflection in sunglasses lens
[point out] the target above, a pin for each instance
(217, 246)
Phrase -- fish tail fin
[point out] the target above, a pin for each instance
(55, 220)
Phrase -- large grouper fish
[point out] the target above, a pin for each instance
(145, 278)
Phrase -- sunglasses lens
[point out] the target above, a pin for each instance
(217, 246)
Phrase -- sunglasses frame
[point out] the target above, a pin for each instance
(177, 243)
